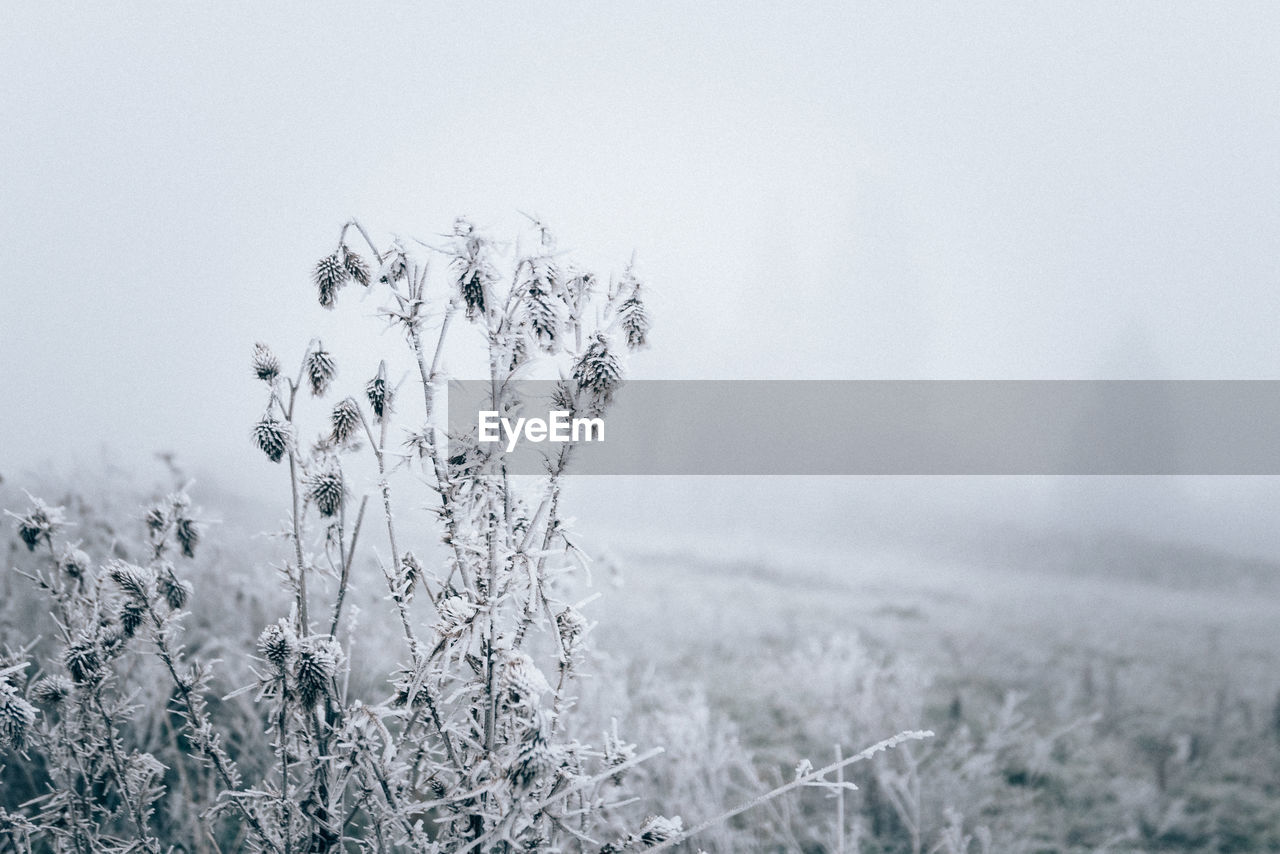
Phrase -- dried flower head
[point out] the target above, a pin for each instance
(537, 759)
(188, 533)
(329, 276)
(658, 829)
(395, 264)
(271, 437)
(131, 617)
(345, 420)
(598, 372)
(455, 613)
(355, 266)
(266, 366)
(407, 578)
(379, 393)
(82, 661)
(52, 690)
(522, 679)
(16, 717)
(634, 319)
(314, 667)
(39, 524)
(572, 626)
(320, 370)
(176, 592)
(277, 643)
(74, 562)
(133, 581)
(327, 489)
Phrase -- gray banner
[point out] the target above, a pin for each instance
(897, 427)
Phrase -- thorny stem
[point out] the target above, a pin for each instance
(801, 780)
(197, 719)
(346, 569)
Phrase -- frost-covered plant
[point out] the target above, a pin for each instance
(469, 745)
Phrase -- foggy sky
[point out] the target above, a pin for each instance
(868, 191)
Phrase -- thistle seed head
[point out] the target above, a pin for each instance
(523, 680)
(598, 372)
(16, 717)
(271, 437)
(314, 668)
(52, 690)
(471, 286)
(407, 578)
(345, 420)
(40, 524)
(157, 519)
(131, 617)
(277, 643)
(355, 266)
(133, 581)
(572, 626)
(188, 533)
(74, 562)
(266, 366)
(327, 489)
(329, 277)
(635, 321)
(658, 829)
(82, 661)
(455, 613)
(379, 393)
(395, 264)
(175, 592)
(320, 370)
(543, 315)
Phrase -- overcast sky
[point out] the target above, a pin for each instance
(841, 190)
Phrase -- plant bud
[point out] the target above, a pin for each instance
(314, 668)
(266, 366)
(277, 643)
(52, 690)
(272, 437)
(345, 419)
(16, 717)
(320, 370)
(329, 276)
(355, 266)
(327, 490)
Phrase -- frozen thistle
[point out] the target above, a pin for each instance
(379, 393)
(271, 437)
(658, 828)
(17, 716)
(320, 370)
(345, 419)
(157, 519)
(39, 524)
(52, 690)
(188, 533)
(327, 489)
(523, 680)
(408, 577)
(74, 562)
(131, 617)
(266, 366)
(572, 626)
(634, 319)
(355, 266)
(329, 277)
(82, 661)
(314, 667)
(598, 372)
(175, 592)
(395, 264)
(277, 643)
(133, 581)
(455, 613)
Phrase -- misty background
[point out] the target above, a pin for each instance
(815, 191)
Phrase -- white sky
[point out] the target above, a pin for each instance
(842, 190)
